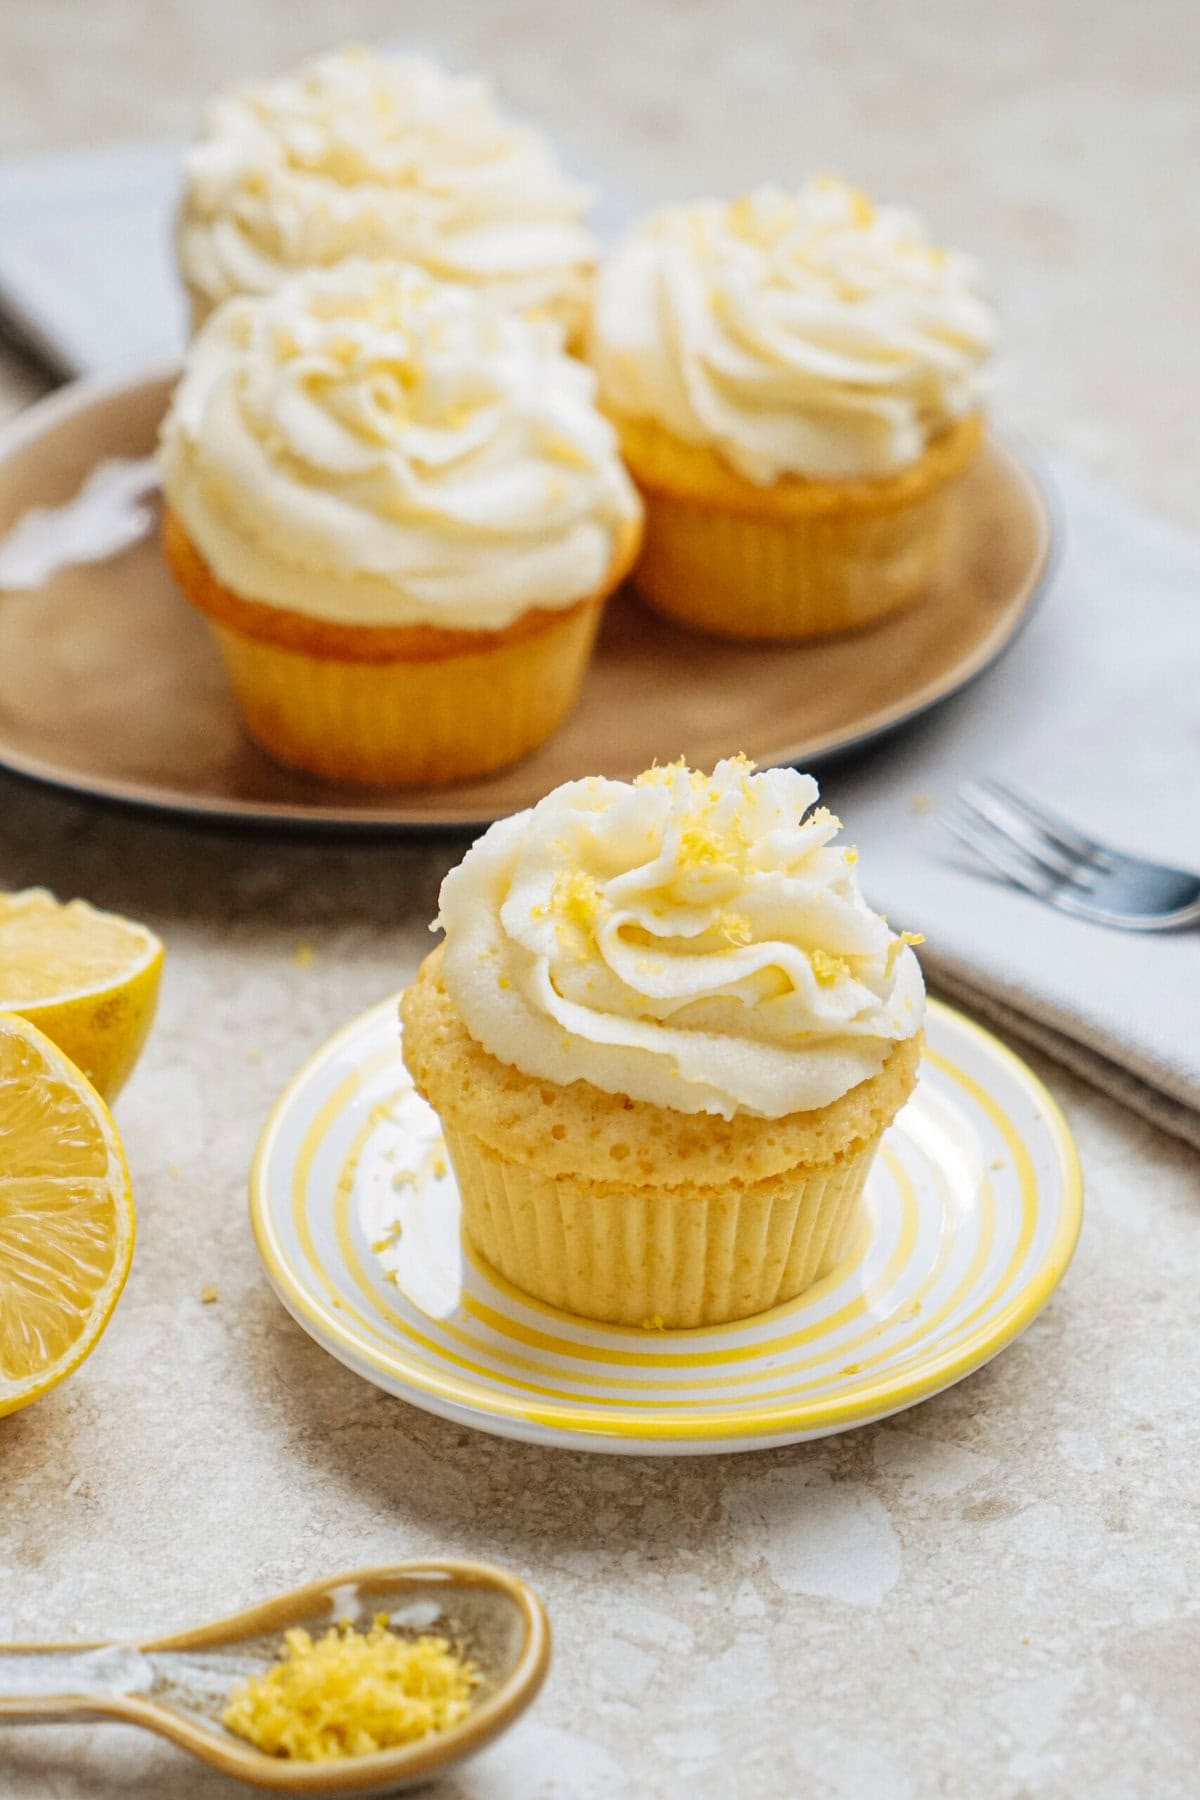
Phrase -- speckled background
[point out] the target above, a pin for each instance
(994, 1595)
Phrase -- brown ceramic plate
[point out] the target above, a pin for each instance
(110, 686)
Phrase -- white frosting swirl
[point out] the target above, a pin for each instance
(356, 154)
(809, 334)
(369, 446)
(689, 940)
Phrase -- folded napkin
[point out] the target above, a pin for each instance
(1096, 711)
(78, 306)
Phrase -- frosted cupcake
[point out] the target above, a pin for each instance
(358, 154)
(664, 1034)
(798, 380)
(400, 512)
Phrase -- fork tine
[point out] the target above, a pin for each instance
(1000, 852)
(1056, 828)
(1011, 822)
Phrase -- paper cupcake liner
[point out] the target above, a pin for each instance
(810, 576)
(795, 559)
(405, 721)
(649, 1256)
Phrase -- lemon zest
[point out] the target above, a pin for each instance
(826, 968)
(351, 1693)
(736, 929)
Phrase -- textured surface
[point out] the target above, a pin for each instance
(993, 1594)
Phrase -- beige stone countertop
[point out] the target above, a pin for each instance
(994, 1595)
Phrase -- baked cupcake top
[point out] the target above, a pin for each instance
(358, 154)
(695, 941)
(808, 333)
(369, 446)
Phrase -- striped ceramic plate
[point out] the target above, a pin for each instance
(973, 1209)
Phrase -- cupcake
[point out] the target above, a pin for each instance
(387, 157)
(400, 512)
(797, 380)
(664, 1034)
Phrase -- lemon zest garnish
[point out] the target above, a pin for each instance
(562, 450)
(826, 968)
(861, 209)
(351, 1693)
(899, 943)
(851, 854)
(659, 774)
(576, 901)
(304, 956)
(699, 847)
(209, 1296)
(736, 928)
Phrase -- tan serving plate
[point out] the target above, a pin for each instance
(110, 686)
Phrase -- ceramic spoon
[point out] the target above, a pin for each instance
(177, 1686)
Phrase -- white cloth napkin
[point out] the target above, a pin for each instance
(1096, 711)
(87, 268)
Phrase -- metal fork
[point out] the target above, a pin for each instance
(1035, 850)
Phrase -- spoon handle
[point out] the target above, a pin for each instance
(56, 1681)
(57, 1709)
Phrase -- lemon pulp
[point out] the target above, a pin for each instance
(88, 979)
(66, 1215)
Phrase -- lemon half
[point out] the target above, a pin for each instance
(88, 979)
(66, 1215)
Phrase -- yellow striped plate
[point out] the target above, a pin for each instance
(973, 1209)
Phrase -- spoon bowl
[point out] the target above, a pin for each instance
(177, 1686)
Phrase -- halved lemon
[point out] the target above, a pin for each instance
(88, 979)
(66, 1215)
